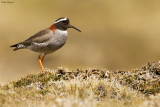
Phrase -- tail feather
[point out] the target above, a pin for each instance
(18, 46)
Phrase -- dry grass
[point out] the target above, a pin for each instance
(51, 89)
(91, 88)
(153, 101)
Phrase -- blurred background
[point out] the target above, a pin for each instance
(116, 34)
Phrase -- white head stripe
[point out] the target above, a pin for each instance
(61, 20)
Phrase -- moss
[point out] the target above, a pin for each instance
(41, 77)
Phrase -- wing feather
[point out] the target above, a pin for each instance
(40, 37)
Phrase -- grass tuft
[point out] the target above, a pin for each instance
(98, 87)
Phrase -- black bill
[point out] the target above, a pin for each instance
(70, 26)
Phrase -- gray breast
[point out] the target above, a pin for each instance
(56, 40)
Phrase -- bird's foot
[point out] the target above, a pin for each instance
(43, 70)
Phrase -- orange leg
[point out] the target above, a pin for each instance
(42, 59)
(41, 63)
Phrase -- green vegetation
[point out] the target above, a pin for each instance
(92, 87)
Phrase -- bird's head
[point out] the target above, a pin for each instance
(63, 23)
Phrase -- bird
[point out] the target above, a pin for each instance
(48, 40)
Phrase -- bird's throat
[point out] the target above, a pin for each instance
(53, 28)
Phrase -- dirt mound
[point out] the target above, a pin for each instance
(145, 80)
